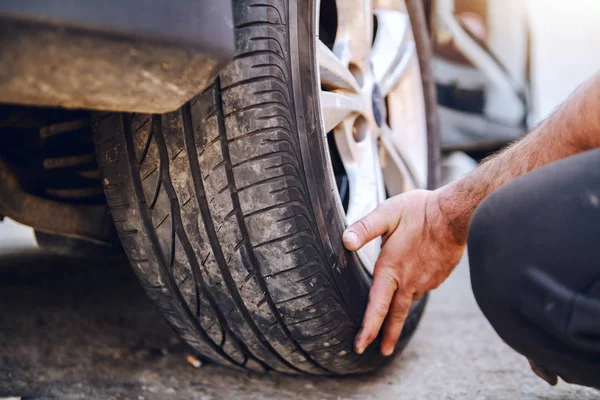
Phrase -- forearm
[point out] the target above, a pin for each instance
(572, 129)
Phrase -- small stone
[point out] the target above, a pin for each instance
(343, 353)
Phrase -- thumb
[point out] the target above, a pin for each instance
(370, 227)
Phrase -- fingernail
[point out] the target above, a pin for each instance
(351, 239)
(359, 348)
(388, 351)
(358, 345)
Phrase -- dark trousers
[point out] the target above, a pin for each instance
(534, 250)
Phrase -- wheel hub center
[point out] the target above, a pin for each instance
(379, 106)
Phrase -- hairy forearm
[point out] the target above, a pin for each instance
(573, 128)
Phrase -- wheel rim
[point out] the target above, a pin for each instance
(372, 105)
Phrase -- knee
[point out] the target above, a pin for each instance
(499, 260)
(495, 265)
(485, 251)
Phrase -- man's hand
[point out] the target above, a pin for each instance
(419, 251)
(424, 233)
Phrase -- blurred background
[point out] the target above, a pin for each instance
(501, 66)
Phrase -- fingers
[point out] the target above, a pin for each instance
(394, 322)
(370, 227)
(382, 291)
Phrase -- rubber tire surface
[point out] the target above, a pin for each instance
(215, 207)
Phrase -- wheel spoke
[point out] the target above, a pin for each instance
(408, 122)
(392, 42)
(400, 70)
(361, 162)
(362, 167)
(355, 32)
(398, 172)
(337, 106)
(334, 74)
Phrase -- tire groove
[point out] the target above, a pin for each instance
(282, 140)
(283, 177)
(257, 23)
(252, 53)
(161, 221)
(307, 338)
(302, 321)
(173, 239)
(284, 164)
(312, 276)
(267, 91)
(284, 219)
(156, 192)
(273, 207)
(147, 145)
(256, 66)
(300, 296)
(255, 106)
(246, 135)
(259, 79)
(289, 188)
(291, 235)
(256, 38)
(304, 246)
(297, 267)
(270, 6)
(265, 156)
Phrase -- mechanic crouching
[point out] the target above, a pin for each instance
(531, 218)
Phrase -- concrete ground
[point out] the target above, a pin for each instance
(82, 329)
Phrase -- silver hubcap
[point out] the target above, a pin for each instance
(382, 144)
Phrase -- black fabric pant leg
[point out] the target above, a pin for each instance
(534, 251)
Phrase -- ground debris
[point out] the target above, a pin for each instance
(194, 361)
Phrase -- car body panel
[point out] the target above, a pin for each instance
(118, 55)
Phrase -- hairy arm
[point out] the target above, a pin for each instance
(425, 232)
(573, 128)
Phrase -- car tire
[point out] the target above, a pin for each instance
(227, 214)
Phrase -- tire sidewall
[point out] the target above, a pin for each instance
(351, 277)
